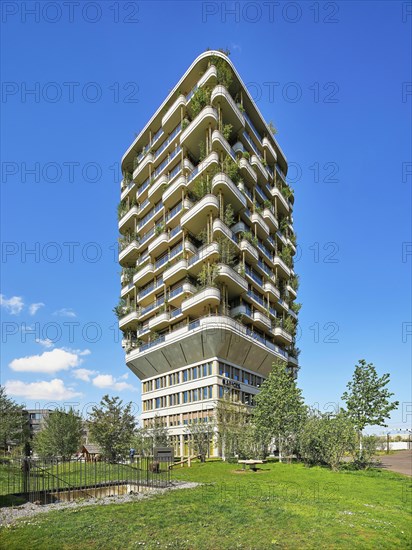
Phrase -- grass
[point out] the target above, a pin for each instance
(280, 506)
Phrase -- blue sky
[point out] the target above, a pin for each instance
(333, 77)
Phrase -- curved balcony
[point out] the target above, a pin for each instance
(202, 302)
(220, 143)
(232, 113)
(129, 320)
(238, 148)
(194, 219)
(261, 225)
(270, 149)
(261, 320)
(249, 175)
(270, 219)
(157, 187)
(208, 252)
(234, 282)
(146, 295)
(243, 311)
(142, 169)
(209, 77)
(283, 204)
(271, 289)
(159, 244)
(172, 116)
(291, 291)
(174, 192)
(251, 254)
(255, 161)
(144, 275)
(281, 266)
(175, 272)
(130, 253)
(195, 132)
(221, 183)
(282, 238)
(159, 321)
(177, 295)
(221, 229)
(282, 336)
(127, 221)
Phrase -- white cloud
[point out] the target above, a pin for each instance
(12, 305)
(107, 381)
(48, 362)
(65, 312)
(47, 343)
(54, 390)
(84, 374)
(33, 308)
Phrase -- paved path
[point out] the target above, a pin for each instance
(400, 462)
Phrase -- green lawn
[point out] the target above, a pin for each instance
(283, 506)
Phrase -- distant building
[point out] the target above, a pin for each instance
(35, 419)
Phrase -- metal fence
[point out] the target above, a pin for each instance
(54, 479)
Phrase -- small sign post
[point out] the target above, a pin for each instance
(163, 454)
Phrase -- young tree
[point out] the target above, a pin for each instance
(201, 435)
(61, 434)
(325, 439)
(279, 411)
(158, 433)
(232, 420)
(112, 427)
(12, 424)
(368, 398)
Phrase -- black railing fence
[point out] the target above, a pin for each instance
(54, 479)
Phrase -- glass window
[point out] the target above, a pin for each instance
(210, 392)
(195, 393)
(205, 393)
(220, 391)
(157, 402)
(185, 396)
(185, 375)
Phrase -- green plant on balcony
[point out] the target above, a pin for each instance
(202, 187)
(207, 276)
(127, 177)
(200, 99)
(294, 352)
(267, 204)
(279, 322)
(229, 217)
(121, 309)
(185, 123)
(159, 229)
(227, 251)
(240, 107)
(246, 155)
(248, 236)
(203, 236)
(121, 209)
(284, 225)
(294, 282)
(241, 269)
(231, 169)
(295, 307)
(202, 151)
(224, 74)
(286, 192)
(128, 273)
(257, 208)
(226, 131)
(272, 128)
(263, 161)
(286, 255)
(153, 335)
(289, 325)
